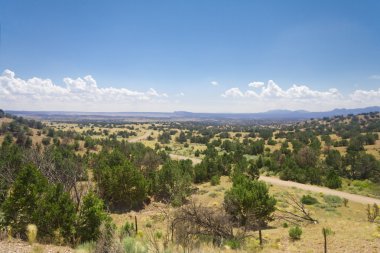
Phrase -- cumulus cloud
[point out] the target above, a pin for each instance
(74, 91)
(360, 95)
(214, 83)
(233, 92)
(272, 96)
(272, 90)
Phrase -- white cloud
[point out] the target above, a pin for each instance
(362, 95)
(214, 83)
(233, 92)
(272, 96)
(256, 84)
(272, 90)
(75, 93)
(375, 77)
(84, 94)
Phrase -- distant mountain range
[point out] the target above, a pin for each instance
(279, 114)
(183, 115)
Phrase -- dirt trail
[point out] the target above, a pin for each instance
(141, 137)
(314, 188)
(351, 197)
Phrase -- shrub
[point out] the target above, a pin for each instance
(55, 212)
(173, 181)
(34, 201)
(249, 202)
(91, 216)
(215, 180)
(233, 243)
(295, 233)
(87, 247)
(122, 186)
(333, 201)
(20, 205)
(46, 141)
(308, 200)
(128, 229)
(31, 232)
(131, 245)
(107, 241)
(373, 212)
(332, 180)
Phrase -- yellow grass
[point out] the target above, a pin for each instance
(352, 231)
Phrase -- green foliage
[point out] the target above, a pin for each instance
(308, 200)
(356, 144)
(249, 202)
(89, 143)
(334, 160)
(332, 180)
(46, 141)
(181, 138)
(132, 245)
(11, 160)
(332, 200)
(121, 184)
(260, 162)
(87, 247)
(21, 204)
(173, 182)
(107, 241)
(55, 212)
(34, 201)
(233, 243)
(295, 233)
(253, 170)
(91, 216)
(211, 165)
(360, 165)
(215, 180)
(164, 138)
(128, 229)
(271, 142)
(327, 231)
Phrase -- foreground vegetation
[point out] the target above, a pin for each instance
(90, 186)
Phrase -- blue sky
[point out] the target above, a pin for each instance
(166, 55)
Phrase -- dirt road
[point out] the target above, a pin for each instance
(307, 187)
(314, 188)
(140, 138)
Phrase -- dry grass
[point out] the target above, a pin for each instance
(352, 231)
